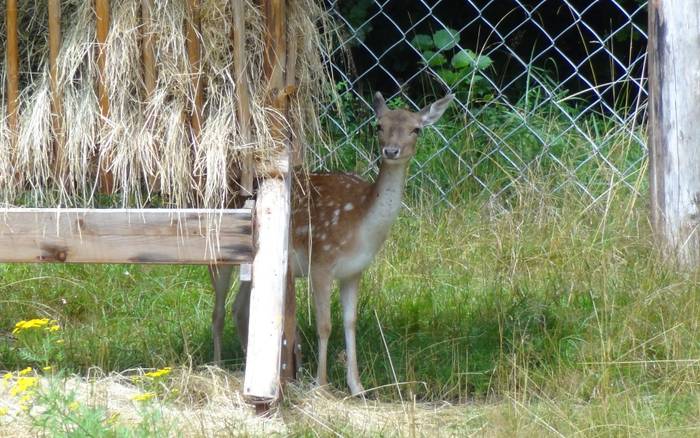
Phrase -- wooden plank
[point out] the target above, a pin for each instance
(267, 298)
(290, 353)
(242, 94)
(194, 52)
(148, 48)
(12, 53)
(102, 13)
(161, 236)
(674, 131)
(56, 98)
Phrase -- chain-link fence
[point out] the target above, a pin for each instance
(550, 90)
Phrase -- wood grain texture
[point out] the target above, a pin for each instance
(12, 54)
(56, 97)
(242, 93)
(148, 48)
(102, 17)
(159, 236)
(267, 298)
(194, 52)
(674, 131)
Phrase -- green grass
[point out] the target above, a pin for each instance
(544, 308)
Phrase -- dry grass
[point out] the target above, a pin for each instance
(208, 402)
(146, 139)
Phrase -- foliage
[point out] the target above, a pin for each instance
(461, 69)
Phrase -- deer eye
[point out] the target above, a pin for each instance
(379, 128)
(415, 131)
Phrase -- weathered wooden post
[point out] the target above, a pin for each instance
(272, 213)
(674, 127)
(102, 17)
(12, 54)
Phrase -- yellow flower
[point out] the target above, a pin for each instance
(73, 406)
(7, 376)
(143, 397)
(48, 368)
(60, 341)
(30, 324)
(26, 371)
(159, 373)
(54, 328)
(23, 384)
(3, 412)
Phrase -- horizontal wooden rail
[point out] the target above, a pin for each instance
(160, 236)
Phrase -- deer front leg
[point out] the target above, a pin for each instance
(221, 280)
(321, 289)
(348, 298)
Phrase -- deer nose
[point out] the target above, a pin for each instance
(391, 152)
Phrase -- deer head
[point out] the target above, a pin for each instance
(398, 129)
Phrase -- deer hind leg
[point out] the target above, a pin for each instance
(348, 298)
(221, 280)
(321, 289)
(241, 312)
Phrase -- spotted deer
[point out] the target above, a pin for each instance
(339, 223)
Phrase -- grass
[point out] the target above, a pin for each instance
(541, 316)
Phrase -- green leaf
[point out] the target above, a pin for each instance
(446, 39)
(450, 77)
(422, 42)
(483, 62)
(463, 59)
(434, 59)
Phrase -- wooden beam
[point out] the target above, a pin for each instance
(56, 98)
(161, 236)
(102, 15)
(674, 131)
(242, 94)
(12, 53)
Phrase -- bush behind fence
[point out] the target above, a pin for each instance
(550, 90)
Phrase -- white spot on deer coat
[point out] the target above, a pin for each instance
(348, 206)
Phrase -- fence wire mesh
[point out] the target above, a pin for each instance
(550, 90)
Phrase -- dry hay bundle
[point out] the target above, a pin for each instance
(146, 141)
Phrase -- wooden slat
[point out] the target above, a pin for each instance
(242, 93)
(102, 12)
(164, 236)
(194, 52)
(56, 98)
(12, 53)
(148, 48)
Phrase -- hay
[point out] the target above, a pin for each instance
(146, 140)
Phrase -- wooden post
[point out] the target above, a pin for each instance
(148, 48)
(194, 52)
(12, 53)
(242, 94)
(269, 293)
(56, 98)
(102, 15)
(674, 131)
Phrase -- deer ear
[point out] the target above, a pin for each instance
(432, 113)
(379, 104)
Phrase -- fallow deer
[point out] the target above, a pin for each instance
(339, 223)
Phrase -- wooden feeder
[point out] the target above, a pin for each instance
(255, 236)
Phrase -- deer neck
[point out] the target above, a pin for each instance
(385, 199)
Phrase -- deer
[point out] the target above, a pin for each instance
(339, 222)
